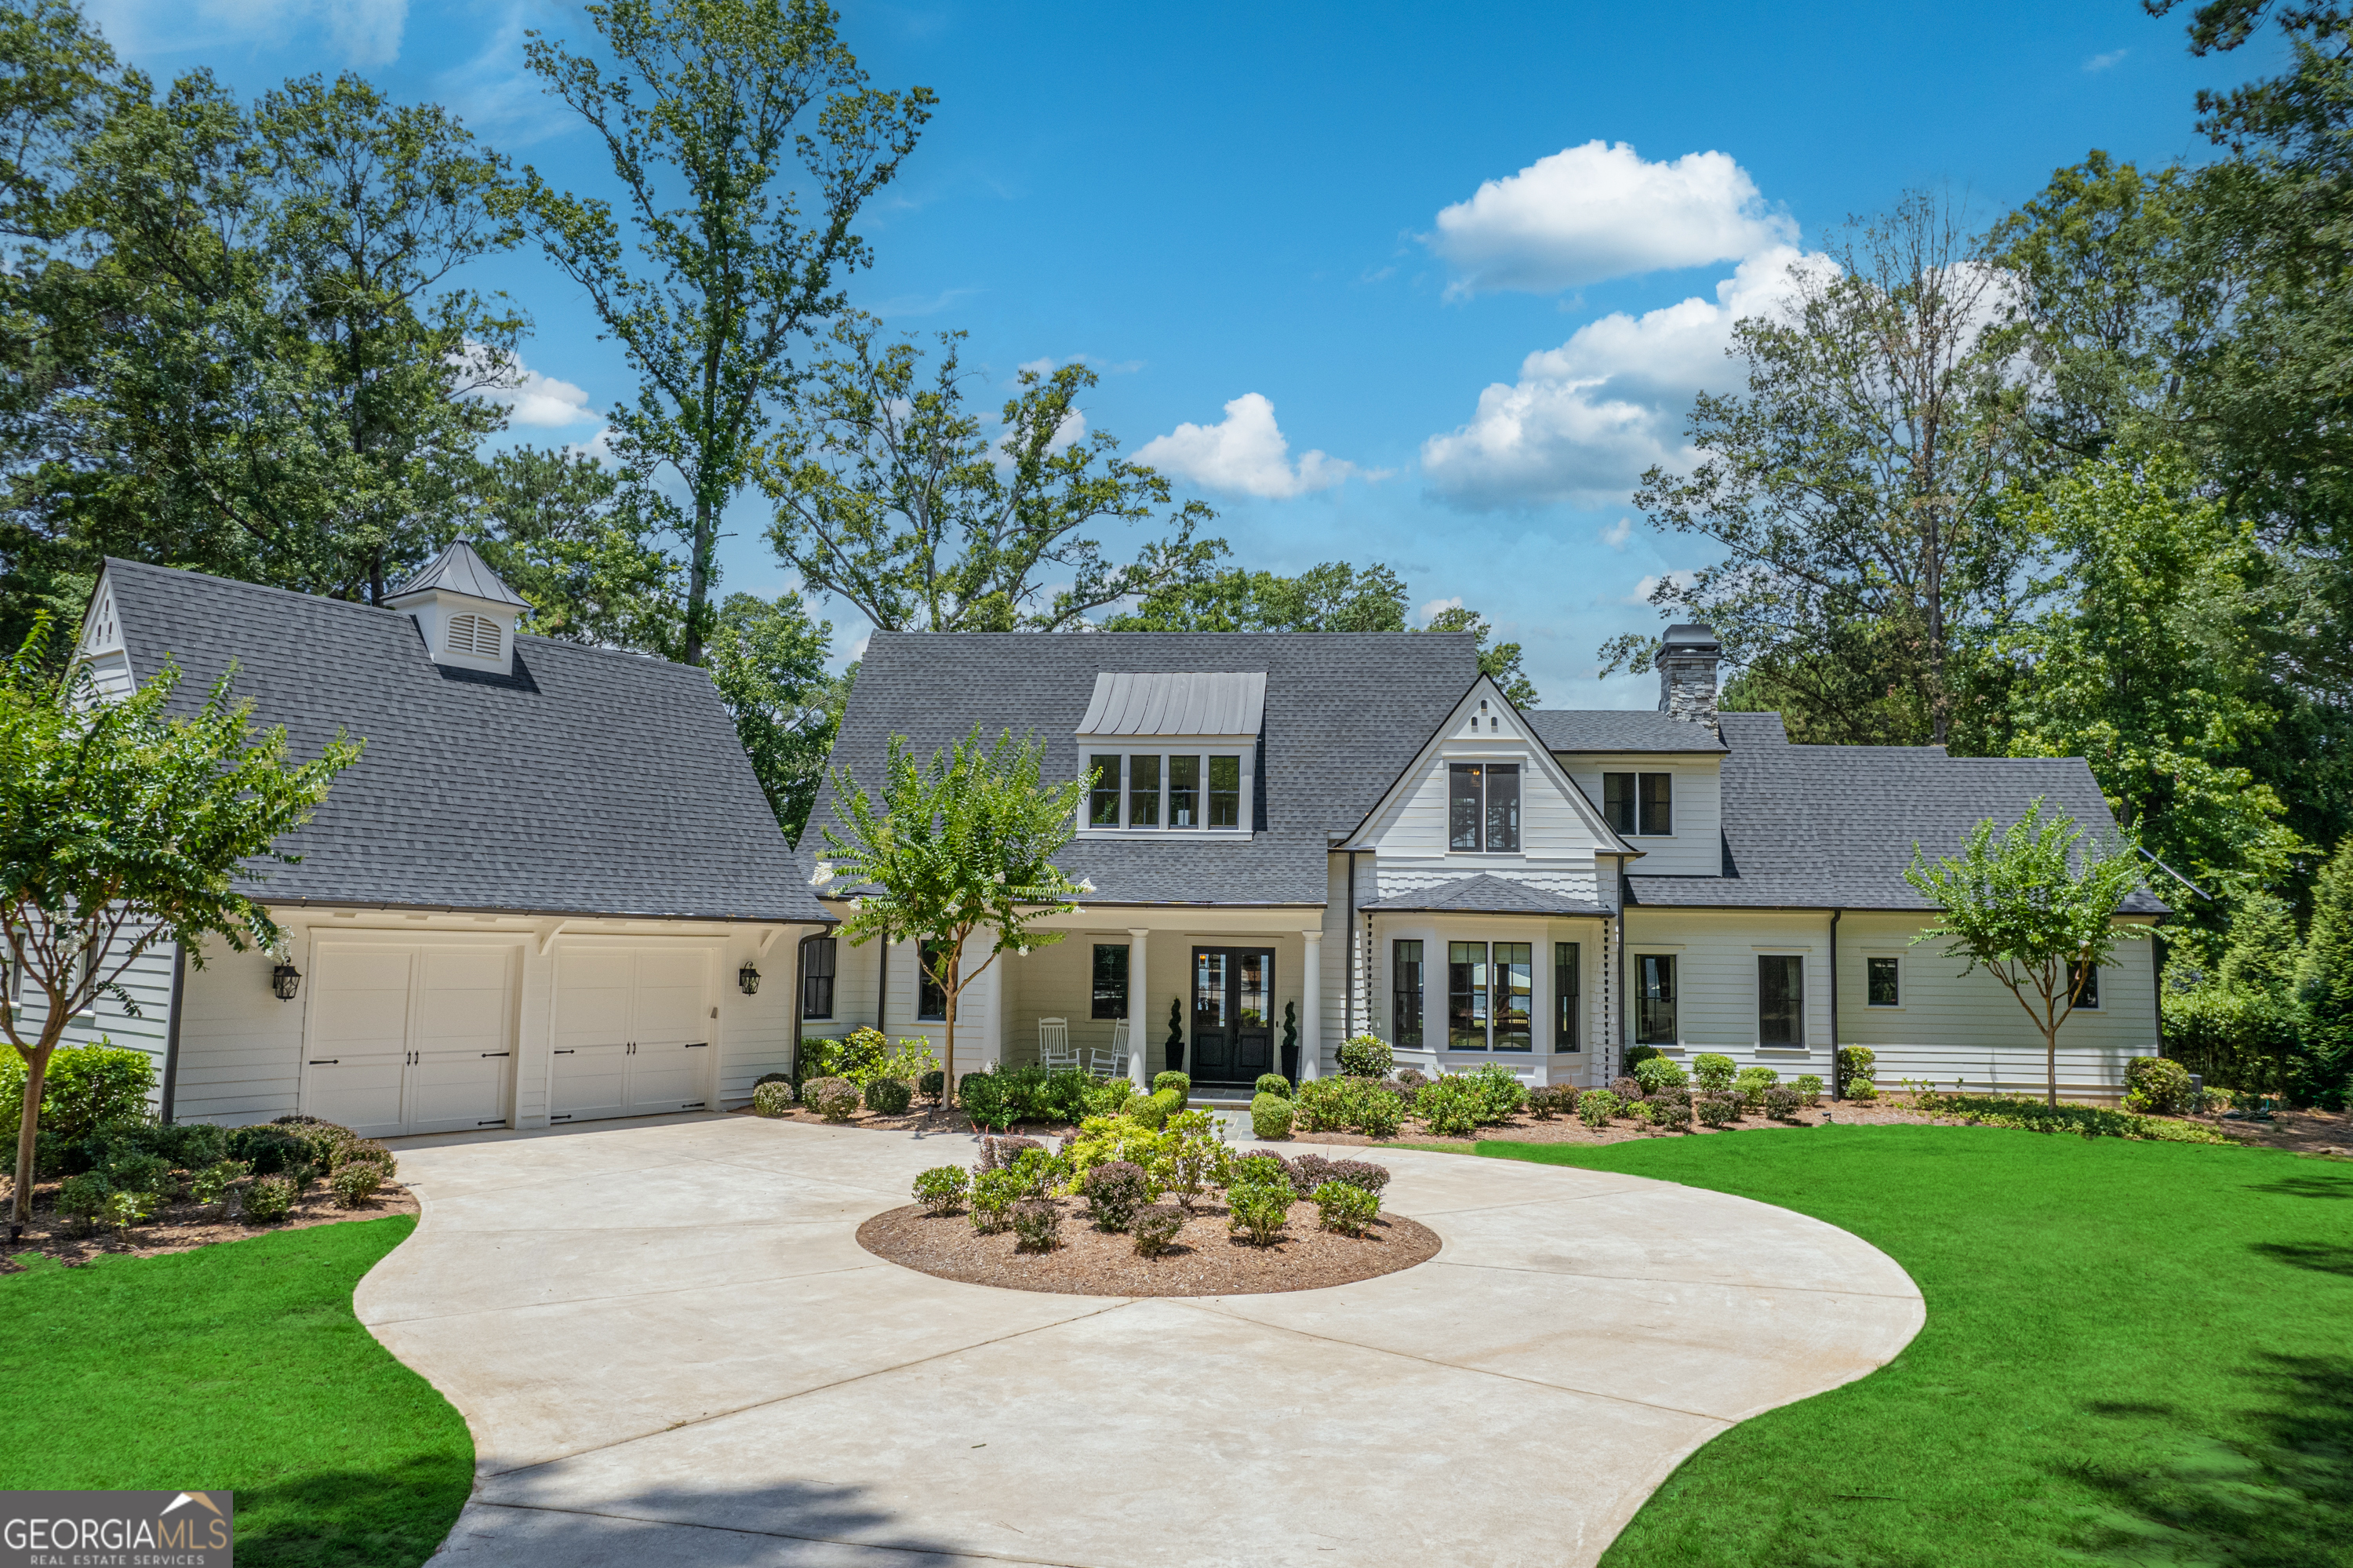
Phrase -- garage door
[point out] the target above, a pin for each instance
(409, 1039)
(632, 1031)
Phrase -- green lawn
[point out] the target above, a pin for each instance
(241, 1366)
(2134, 1353)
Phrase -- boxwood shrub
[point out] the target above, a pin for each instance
(941, 1189)
(1345, 1207)
(1177, 1084)
(773, 1099)
(1715, 1071)
(1259, 1210)
(836, 1100)
(889, 1096)
(1366, 1056)
(1273, 1083)
(1270, 1117)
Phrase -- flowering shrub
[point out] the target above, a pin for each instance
(1102, 1139)
(1037, 1221)
(1115, 1190)
(1718, 1108)
(355, 1182)
(836, 1100)
(1782, 1104)
(1596, 1106)
(1362, 1173)
(772, 1099)
(268, 1197)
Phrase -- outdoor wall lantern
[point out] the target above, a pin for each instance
(283, 981)
(748, 977)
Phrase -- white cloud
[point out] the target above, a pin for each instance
(598, 446)
(1618, 535)
(1648, 586)
(1598, 211)
(1585, 420)
(2098, 63)
(357, 32)
(1245, 452)
(531, 398)
(1430, 611)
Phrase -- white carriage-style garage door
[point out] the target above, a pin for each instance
(632, 1031)
(410, 1038)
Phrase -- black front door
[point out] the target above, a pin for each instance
(1233, 1030)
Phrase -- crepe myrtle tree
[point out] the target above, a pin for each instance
(2035, 908)
(959, 845)
(121, 828)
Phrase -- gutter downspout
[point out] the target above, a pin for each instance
(881, 979)
(172, 1030)
(1834, 1043)
(1619, 1032)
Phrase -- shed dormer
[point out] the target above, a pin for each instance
(1171, 753)
(465, 613)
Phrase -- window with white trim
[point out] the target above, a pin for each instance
(1483, 807)
(1167, 791)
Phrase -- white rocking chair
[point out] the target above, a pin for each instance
(1054, 1048)
(1110, 1063)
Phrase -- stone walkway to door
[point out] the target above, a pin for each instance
(672, 1352)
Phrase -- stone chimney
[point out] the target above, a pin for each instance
(1688, 656)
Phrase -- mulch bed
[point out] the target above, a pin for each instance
(178, 1227)
(1206, 1259)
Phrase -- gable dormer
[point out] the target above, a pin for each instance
(101, 650)
(466, 615)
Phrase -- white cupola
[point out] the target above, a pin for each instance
(466, 614)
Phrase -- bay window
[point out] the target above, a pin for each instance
(1489, 996)
(1567, 993)
(1406, 995)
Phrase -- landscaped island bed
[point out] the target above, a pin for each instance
(1204, 1259)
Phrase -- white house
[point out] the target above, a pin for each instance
(549, 890)
(1359, 833)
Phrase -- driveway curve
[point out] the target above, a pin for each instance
(672, 1352)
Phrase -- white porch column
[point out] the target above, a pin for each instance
(1139, 1011)
(1311, 1007)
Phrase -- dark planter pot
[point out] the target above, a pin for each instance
(1176, 1055)
(1291, 1063)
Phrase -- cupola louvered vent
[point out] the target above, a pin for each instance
(475, 634)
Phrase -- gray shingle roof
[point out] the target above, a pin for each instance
(1344, 713)
(1618, 729)
(1822, 827)
(1484, 895)
(585, 783)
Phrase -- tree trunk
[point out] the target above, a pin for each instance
(698, 580)
(947, 1055)
(21, 1202)
(2051, 1062)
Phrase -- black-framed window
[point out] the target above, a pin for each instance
(1184, 791)
(1513, 1010)
(1618, 801)
(1883, 982)
(1483, 807)
(1110, 979)
(1103, 797)
(1405, 995)
(1144, 791)
(1780, 998)
(818, 955)
(931, 994)
(2086, 980)
(1655, 999)
(1568, 983)
(1657, 817)
(1466, 996)
(1225, 791)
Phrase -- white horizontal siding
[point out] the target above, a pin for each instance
(1696, 847)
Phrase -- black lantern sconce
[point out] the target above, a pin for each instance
(748, 977)
(283, 981)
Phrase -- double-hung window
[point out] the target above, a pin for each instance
(1639, 803)
(819, 955)
(1483, 807)
(1883, 982)
(1780, 998)
(1654, 1000)
(1405, 995)
(2086, 983)
(1110, 979)
(1103, 796)
(1566, 994)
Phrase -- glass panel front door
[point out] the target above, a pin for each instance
(1233, 994)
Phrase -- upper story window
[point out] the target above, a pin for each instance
(1168, 752)
(1639, 803)
(1483, 807)
(1182, 792)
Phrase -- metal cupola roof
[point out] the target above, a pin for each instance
(458, 569)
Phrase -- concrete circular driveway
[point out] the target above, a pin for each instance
(671, 1351)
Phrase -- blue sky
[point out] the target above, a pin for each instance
(1424, 242)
